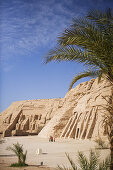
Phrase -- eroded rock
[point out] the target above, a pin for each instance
(78, 115)
(27, 117)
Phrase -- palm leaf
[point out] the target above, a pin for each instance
(71, 53)
(18, 150)
(74, 167)
(105, 165)
(83, 75)
(83, 161)
(23, 156)
(93, 162)
(88, 40)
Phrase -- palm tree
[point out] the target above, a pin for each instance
(18, 150)
(88, 40)
(87, 164)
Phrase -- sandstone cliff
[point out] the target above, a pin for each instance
(77, 115)
(27, 117)
(81, 115)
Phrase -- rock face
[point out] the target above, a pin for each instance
(77, 115)
(28, 117)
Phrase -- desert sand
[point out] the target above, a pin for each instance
(53, 153)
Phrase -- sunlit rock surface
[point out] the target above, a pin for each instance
(77, 115)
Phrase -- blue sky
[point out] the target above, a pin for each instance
(28, 30)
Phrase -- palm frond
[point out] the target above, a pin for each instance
(88, 40)
(23, 156)
(90, 73)
(85, 34)
(18, 150)
(74, 167)
(88, 164)
(100, 76)
(93, 162)
(100, 17)
(105, 165)
(83, 161)
(71, 53)
(107, 115)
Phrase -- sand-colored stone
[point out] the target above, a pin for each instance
(81, 115)
(27, 117)
(77, 115)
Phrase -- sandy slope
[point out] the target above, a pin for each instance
(53, 154)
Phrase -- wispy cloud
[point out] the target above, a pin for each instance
(29, 25)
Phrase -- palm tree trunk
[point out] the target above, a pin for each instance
(111, 135)
(111, 148)
(19, 160)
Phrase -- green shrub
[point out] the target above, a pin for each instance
(18, 165)
(18, 150)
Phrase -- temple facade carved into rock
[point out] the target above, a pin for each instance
(78, 115)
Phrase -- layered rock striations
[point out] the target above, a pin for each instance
(78, 115)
